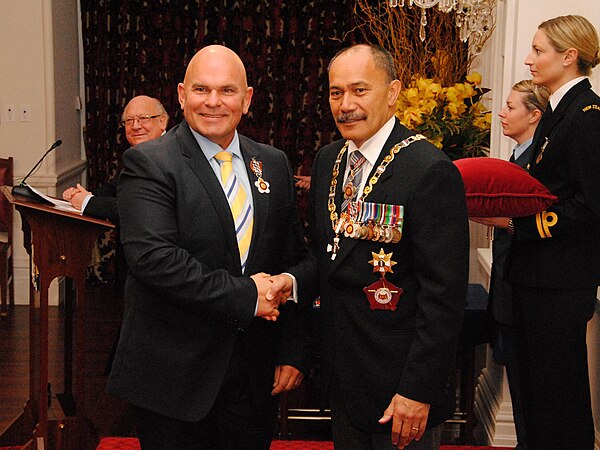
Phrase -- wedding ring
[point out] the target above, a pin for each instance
(414, 428)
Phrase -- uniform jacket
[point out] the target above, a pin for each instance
(186, 301)
(500, 288)
(411, 351)
(560, 247)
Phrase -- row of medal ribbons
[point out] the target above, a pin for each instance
(378, 222)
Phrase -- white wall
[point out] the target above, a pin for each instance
(39, 52)
(67, 102)
(23, 81)
(517, 22)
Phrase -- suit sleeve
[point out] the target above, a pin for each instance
(436, 223)
(103, 204)
(578, 209)
(107, 190)
(103, 208)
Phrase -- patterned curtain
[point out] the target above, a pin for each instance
(134, 47)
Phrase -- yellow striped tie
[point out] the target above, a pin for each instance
(239, 204)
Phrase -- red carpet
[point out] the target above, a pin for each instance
(112, 443)
(314, 445)
(117, 443)
(301, 445)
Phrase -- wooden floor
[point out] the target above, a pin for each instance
(108, 414)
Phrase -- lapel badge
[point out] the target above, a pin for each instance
(382, 294)
(262, 185)
(542, 150)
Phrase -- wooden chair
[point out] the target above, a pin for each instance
(6, 239)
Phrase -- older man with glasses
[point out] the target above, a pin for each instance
(144, 118)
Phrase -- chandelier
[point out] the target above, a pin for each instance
(474, 18)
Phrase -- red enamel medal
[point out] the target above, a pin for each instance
(382, 294)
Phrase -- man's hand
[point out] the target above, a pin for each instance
(76, 195)
(410, 420)
(281, 288)
(267, 309)
(302, 182)
(287, 378)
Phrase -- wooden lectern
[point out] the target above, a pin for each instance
(59, 243)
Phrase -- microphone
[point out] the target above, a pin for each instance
(23, 188)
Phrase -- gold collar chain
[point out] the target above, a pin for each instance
(372, 181)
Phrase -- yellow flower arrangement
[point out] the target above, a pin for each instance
(452, 117)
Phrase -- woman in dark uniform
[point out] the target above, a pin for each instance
(519, 118)
(554, 256)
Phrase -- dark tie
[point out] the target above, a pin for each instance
(355, 161)
(512, 157)
(547, 114)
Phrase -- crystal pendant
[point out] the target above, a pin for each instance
(423, 24)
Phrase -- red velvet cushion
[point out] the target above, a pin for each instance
(498, 188)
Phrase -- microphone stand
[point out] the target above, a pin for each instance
(23, 189)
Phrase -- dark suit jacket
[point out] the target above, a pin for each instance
(104, 202)
(411, 351)
(569, 168)
(186, 300)
(500, 299)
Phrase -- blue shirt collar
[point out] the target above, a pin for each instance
(520, 148)
(210, 149)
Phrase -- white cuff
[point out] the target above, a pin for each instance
(294, 296)
(85, 202)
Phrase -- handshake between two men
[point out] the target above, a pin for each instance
(273, 290)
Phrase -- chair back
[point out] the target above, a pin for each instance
(6, 209)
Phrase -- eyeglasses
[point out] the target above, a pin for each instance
(143, 119)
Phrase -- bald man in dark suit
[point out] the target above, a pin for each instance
(196, 357)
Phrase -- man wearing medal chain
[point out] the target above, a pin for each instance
(205, 214)
(391, 270)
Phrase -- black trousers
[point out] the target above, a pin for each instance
(505, 348)
(551, 351)
(235, 421)
(347, 436)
